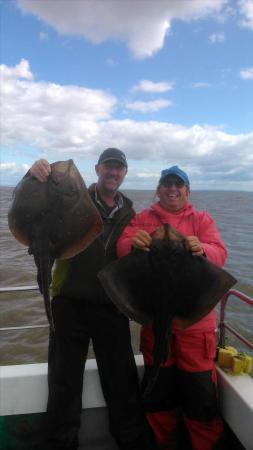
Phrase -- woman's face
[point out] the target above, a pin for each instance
(173, 193)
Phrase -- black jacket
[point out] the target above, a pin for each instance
(77, 276)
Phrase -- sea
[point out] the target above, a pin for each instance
(233, 213)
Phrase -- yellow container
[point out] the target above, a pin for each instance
(225, 358)
(248, 364)
(231, 349)
(237, 365)
(237, 362)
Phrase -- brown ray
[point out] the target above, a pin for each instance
(56, 219)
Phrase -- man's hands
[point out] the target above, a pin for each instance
(40, 170)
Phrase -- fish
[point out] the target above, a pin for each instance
(164, 284)
(55, 219)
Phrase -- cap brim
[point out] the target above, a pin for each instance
(173, 175)
(114, 159)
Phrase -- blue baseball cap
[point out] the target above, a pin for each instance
(175, 170)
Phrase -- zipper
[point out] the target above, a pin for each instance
(111, 233)
(106, 245)
(109, 238)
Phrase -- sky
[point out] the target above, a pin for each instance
(166, 81)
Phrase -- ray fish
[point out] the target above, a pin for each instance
(55, 219)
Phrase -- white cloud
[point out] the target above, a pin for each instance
(10, 169)
(43, 36)
(21, 70)
(147, 174)
(143, 25)
(205, 152)
(153, 87)
(247, 74)
(227, 13)
(110, 62)
(8, 166)
(246, 9)
(217, 38)
(161, 140)
(200, 84)
(148, 107)
(48, 114)
(61, 122)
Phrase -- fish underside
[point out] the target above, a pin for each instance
(55, 219)
(165, 283)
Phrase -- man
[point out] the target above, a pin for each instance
(82, 311)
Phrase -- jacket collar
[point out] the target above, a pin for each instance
(187, 210)
(121, 199)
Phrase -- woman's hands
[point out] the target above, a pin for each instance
(193, 244)
(40, 170)
(141, 240)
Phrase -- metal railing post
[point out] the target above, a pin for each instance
(223, 326)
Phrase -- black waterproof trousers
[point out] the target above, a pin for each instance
(76, 322)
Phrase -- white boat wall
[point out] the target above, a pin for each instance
(236, 401)
(24, 391)
(23, 394)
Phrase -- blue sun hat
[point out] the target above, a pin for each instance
(175, 170)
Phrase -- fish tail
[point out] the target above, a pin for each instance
(44, 262)
(45, 275)
(161, 330)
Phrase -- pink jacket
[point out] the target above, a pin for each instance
(189, 222)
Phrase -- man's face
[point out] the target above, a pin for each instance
(173, 193)
(110, 175)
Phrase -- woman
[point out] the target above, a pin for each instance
(186, 384)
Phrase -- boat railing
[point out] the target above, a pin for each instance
(224, 325)
(5, 290)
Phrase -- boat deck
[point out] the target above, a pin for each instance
(23, 393)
